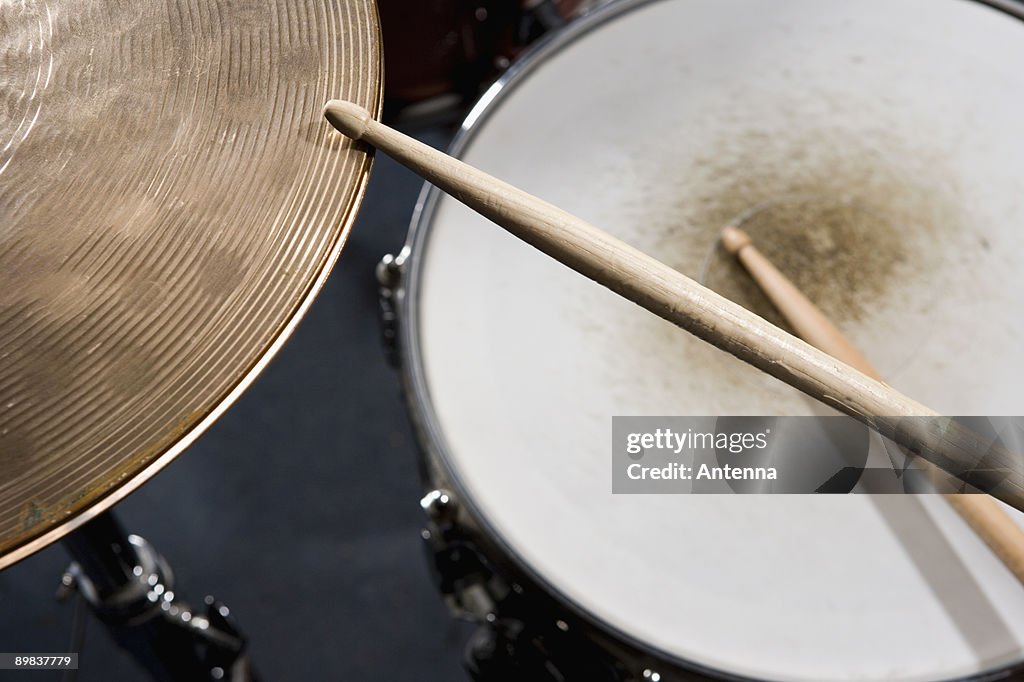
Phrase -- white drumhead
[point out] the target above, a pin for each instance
(880, 144)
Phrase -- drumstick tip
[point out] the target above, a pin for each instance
(350, 119)
(734, 239)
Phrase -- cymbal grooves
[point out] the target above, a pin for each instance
(172, 199)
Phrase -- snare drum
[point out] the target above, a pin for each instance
(874, 149)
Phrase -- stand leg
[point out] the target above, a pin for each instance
(130, 588)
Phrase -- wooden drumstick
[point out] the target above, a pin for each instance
(678, 299)
(982, 513)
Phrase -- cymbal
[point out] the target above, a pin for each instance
(172, 201)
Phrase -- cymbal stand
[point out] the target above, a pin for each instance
(130, 589)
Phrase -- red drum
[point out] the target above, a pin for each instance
(441, 47)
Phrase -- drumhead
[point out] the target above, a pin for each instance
(874, 150)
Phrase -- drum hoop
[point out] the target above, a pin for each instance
(417, 393)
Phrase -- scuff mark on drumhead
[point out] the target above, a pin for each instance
(851, 222)
(868, 228)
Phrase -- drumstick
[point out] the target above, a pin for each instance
(983, 514)
(678, 299)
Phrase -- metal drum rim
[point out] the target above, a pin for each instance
(416, 391)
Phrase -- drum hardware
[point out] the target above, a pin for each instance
(676, 298)
(516, 638)
(130, 588)
(469, 585)
(389, 278)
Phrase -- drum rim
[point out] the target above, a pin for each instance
(417, 393)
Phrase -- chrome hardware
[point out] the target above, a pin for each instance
(389, 276)
(439, 506)
(130, 588)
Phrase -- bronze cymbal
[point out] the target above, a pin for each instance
(172, 199)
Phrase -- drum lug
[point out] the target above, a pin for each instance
(466, 579)
(439, 506)
(390, 273)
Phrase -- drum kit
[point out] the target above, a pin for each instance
(173, 200)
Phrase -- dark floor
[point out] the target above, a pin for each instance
(299, 508)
